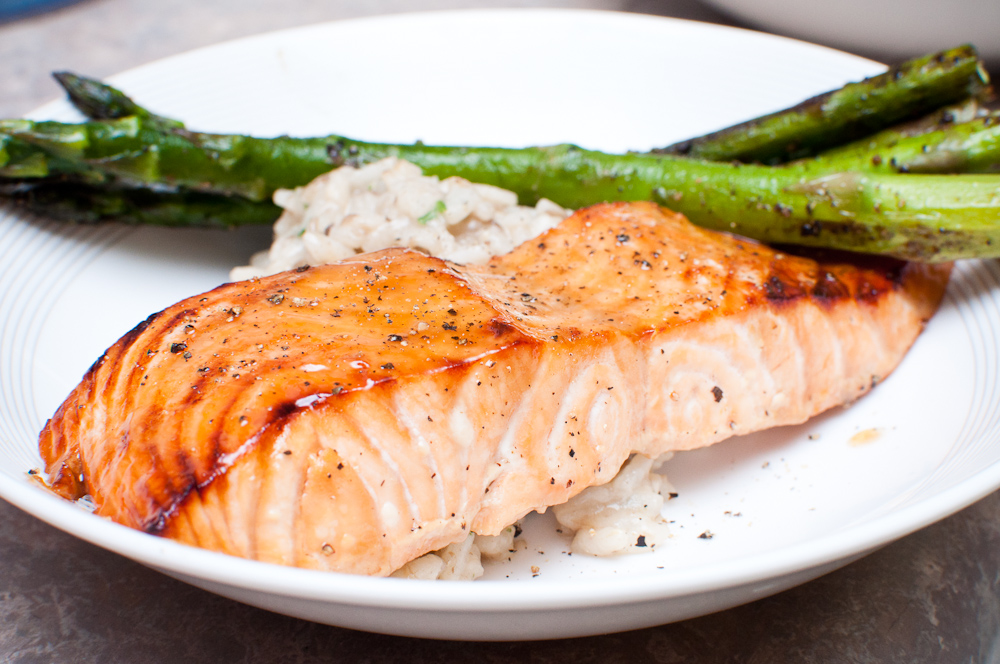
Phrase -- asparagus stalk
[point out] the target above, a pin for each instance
(965, 111)
(944, 147)
(86, 204)
(920, 217)
(928, 218)
(100, 101)
(904, 92)
(967, 147)
(128, 152)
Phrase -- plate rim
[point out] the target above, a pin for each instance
(123, 77)
(508, 595)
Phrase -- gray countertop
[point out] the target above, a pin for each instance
(931, 597)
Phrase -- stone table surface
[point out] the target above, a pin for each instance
(931, 597)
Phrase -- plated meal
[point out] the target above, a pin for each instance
(443, 341)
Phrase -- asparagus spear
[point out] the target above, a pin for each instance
(965, 111)
(944, 147)
(927, 218)
(129, 152)
(967, 147)
(81, 203)
(126, 152)
(904, 92)
(921, 217)
(97, 100)
(100, 101)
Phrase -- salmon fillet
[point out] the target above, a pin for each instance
(355, 416)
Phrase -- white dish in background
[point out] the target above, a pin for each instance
(784, 506)
(897, 28)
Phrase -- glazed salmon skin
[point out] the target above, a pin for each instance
(355, 416)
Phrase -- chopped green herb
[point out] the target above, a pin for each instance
(439, 208)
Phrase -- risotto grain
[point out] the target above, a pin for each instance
(391, 203)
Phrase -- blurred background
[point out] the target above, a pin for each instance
(103, 37)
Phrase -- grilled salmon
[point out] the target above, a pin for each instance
(355, 416)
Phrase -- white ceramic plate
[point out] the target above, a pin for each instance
(784, 506)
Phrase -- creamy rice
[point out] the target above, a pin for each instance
(461, 561)
(391, 203)
(622, 516)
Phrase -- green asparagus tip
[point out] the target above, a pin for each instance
(100, 101)
(903, 93)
